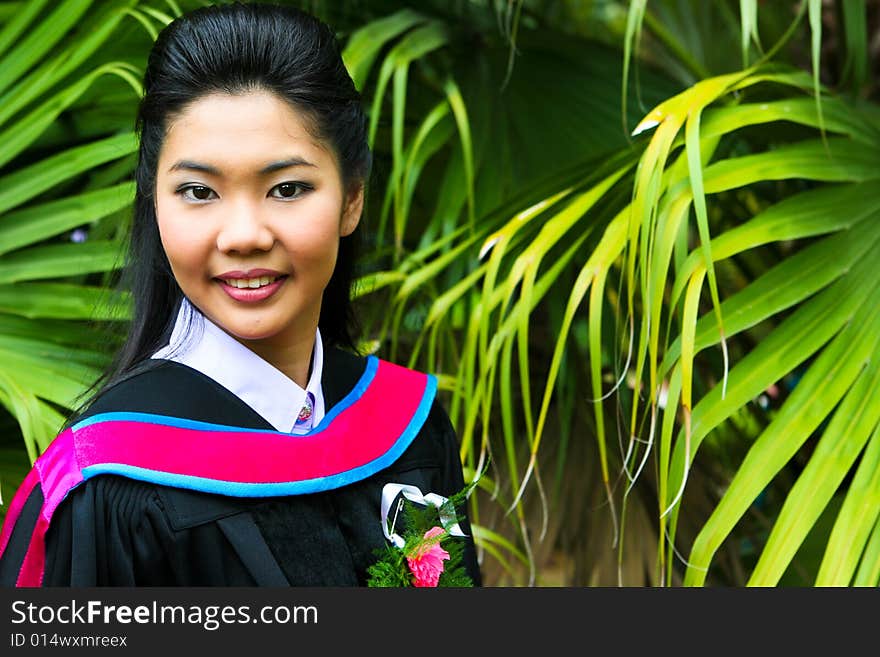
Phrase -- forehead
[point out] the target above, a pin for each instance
(241, 131)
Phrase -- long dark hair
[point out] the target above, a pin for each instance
(235, 48)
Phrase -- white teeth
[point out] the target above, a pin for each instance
(252, 283)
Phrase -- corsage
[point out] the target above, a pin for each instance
(422, 549)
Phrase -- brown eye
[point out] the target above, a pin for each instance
(289, 190)
(196, 193)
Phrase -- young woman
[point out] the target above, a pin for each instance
(237, 440)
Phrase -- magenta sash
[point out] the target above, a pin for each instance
(365, 432)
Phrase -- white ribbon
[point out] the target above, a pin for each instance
(413, 494)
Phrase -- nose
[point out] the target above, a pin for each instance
(244, 230)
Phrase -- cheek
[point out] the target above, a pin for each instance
(313, 237)
(315, 253)
(184, 247)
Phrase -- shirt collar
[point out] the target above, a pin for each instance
(202, 345)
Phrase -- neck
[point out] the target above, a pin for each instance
(293, 357)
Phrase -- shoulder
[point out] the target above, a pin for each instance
(163, 387)
(348, 376)
(133, 505)
(434, 445)
(394, 389)
(342, 372)
(116, 498)
(132, 502)
(154, 385)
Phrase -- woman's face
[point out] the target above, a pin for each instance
(250, 209)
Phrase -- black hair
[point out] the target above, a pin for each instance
(235, 48)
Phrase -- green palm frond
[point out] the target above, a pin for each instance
(466, 148)
(573, 274)
(56, 183)
(646, 275)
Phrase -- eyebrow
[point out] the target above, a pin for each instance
(190, 165)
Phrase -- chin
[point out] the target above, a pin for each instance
(251, 336)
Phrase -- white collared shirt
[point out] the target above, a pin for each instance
(202, 345)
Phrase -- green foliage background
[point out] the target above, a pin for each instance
(637, 241)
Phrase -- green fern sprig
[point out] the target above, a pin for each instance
(392, 569)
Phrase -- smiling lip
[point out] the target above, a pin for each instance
(250, 273)
(251, 295)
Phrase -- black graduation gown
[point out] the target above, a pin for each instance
(113, 530)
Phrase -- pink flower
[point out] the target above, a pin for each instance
(426, 563)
